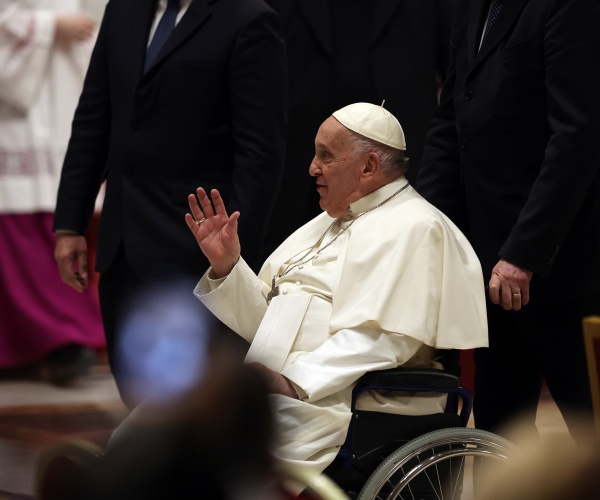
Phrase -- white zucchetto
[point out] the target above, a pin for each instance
(374, 122)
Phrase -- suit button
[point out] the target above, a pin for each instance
(468, 95)
(464, 144)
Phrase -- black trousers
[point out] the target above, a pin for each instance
(527, 347)
(117, 288)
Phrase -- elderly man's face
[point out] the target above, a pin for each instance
(336, 167)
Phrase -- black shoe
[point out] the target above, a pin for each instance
(65, 364)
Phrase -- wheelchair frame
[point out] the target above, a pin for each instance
(432, 465)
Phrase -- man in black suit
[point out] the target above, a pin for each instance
(512, 156)
(345, 51)
(209, 109)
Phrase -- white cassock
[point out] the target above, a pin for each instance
(379, 290)
(40, 83)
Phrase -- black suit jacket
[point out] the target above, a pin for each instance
(512, 153)
(210, 112)
(408, 45)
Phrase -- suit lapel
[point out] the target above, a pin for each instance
(317, 14)
(143, 11)
(510, 12)
(197, 13)
(477, 13)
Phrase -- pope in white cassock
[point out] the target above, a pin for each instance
(378, 280)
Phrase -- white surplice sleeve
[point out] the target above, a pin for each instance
(345, 357)
(239, 300)
(26, 44)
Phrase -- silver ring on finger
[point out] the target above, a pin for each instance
(516, 294)
(198, 222)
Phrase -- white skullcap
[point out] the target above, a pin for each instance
(373, 122)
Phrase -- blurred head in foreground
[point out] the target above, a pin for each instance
(547, 467)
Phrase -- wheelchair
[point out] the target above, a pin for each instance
(385, 456)
(389, 456)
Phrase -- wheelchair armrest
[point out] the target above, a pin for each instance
(403, 376)
(409, 379)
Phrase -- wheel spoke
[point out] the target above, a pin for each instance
(435, 466)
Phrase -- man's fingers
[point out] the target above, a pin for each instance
(218, 202)
(191, 222)
(205, 203)
(233, 221)
(197, 213)
(517, 301)
(506, 297)
(70, 276)
(65, 268)
(501, 293)
(510, 284)
(70, 254)
(195, 225)
(209, 206)
(79, 279)
(77, 282)
(494, 290)
(82, 266)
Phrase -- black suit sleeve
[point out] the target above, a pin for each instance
(572, 156)
(84, 167)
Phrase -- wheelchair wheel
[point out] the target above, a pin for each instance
(443, 464)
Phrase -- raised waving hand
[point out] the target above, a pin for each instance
(214, 230)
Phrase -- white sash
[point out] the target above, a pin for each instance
(278, 329)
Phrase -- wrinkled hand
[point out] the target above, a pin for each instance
(215, 231)
(72, 28)
(509, 285)
(277, 383)
(70, 253)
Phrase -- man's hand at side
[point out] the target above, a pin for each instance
(509, 285)
(70, 253)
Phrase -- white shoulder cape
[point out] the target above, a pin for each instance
(406, 267)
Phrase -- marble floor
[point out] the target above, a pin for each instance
(34, 415)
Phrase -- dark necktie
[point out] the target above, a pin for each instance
(163, 31)
(495, 9)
